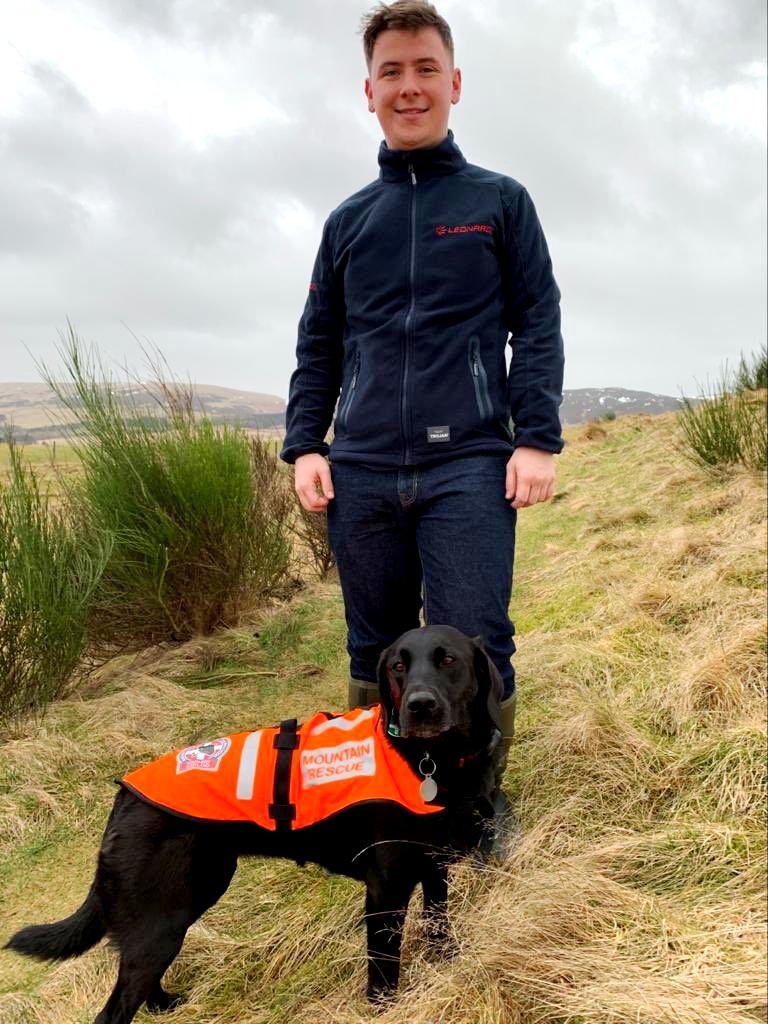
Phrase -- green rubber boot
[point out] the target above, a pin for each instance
(499, 837)
(362, 694)
(507, 735)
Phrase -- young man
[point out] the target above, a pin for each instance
(421, 280)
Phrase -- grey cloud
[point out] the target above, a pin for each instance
(56, 85)
(654, 215)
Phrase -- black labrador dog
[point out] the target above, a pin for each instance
(157, 872)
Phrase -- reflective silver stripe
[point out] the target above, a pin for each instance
(247, 770)
(345, 724)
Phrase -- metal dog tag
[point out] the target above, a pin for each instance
(428, 789)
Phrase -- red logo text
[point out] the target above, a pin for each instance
(464, 229)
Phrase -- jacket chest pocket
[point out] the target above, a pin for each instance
(479, 380)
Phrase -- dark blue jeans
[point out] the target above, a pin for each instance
(442, 535)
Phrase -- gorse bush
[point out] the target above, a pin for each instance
(194, 512)
(48, 574)
(728, 427)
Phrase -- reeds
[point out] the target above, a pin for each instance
(727, 426)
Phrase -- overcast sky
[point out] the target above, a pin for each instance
(166, 167)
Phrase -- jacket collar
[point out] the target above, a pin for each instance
(445, 158)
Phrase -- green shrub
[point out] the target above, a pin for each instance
(752, 374)
(47, 579)
(727, 427)
(196, 513)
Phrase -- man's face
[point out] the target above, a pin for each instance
(411, 86)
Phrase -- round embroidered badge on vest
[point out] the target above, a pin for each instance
(204, 757)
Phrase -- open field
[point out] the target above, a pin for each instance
(635, 894)
(53, 464)
(41, 454)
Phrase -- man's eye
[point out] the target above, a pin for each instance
(390, 74)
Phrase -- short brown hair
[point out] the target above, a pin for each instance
(410, 15)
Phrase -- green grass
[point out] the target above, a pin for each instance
(41, 454)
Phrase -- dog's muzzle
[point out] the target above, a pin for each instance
(423, 714)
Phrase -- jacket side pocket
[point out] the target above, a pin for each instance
(480, 380)
(343, 413)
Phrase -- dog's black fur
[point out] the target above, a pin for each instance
(157, 873)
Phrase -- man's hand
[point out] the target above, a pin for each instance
(312, 481)
(530, 477)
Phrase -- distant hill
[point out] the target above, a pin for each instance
(582, 404)
(37, 414)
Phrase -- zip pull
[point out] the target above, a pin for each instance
(475, 368)
(412, 174)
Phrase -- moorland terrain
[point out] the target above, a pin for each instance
(635, 890)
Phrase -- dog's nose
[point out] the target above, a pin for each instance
(421, 704)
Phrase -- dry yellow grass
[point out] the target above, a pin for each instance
(635, 892)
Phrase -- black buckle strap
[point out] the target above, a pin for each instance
(281, 810)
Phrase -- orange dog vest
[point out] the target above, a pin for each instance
(285, 777)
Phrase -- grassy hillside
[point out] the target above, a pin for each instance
(635, 893)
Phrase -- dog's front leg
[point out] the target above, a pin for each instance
(386, 902)
(434, 884)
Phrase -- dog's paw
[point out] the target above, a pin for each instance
(380, 998)
(162, 1001)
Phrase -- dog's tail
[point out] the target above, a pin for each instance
(62, 939)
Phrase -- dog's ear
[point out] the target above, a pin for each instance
(385, 692)
(491, 686)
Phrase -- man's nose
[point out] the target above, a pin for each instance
(410, 84)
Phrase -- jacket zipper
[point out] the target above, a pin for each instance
(408, 321)
(344, 411)
(480, 380)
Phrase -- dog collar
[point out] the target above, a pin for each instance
(495, 741)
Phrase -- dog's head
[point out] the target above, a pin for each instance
(436, 679)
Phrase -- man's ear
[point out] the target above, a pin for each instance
(369, 96)
(455, 85)
(490, 684)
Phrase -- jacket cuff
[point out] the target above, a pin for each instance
(545, 442)
(291, 452)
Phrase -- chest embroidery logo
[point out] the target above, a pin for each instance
(464, 229)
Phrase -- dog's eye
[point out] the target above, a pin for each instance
(447, 659)
(398, 667)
